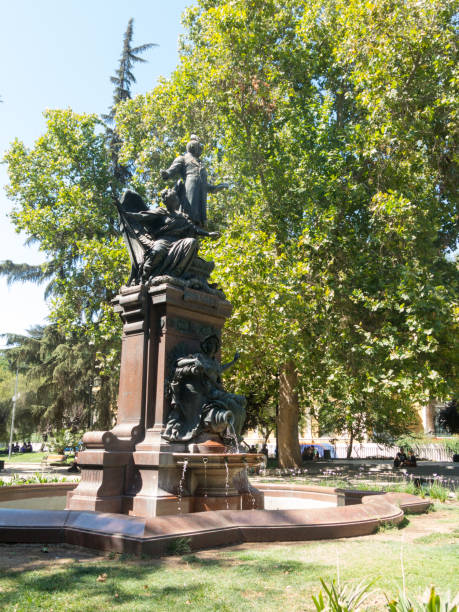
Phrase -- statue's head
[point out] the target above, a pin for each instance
(194, 146)
(170, 199)
(210, 345)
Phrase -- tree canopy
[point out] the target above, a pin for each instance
(63, 188)
(335, 124)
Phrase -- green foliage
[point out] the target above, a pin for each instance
(58, 373)
(390, 525)
(26, 419)
(437, 491)
(37, 478)
(123, 80)
(412, 441)
(65, 438)
(350, 599)
(179, 546)
(334, 123)
(124, 77)
(63, 201)
(452, 445)
(341, 598)
(433, 603)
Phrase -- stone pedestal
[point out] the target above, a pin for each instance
(131, 469)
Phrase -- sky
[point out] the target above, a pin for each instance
(61, 54)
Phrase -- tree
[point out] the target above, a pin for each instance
(26, 420)
(59, 372)
(63, 189)
(334, 123)
(123, 80)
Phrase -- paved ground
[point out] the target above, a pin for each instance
(377, 468)
(25, 470)
(380, 470)
(445, 468)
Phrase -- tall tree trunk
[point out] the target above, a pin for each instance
(288, 417)
(349, 446)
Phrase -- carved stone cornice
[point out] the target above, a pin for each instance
(131, 305)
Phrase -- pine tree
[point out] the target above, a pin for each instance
(123, 80)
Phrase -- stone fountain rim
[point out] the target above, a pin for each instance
(154, 536)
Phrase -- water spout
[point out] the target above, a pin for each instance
(233, 435)
(205, 460)
(253, 501)
(227, 483)
(180, 487)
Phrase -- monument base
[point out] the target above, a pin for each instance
(132, 469)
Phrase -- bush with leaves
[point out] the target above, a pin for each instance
(65, 438)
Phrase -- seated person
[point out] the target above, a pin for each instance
(397, 460)
(308, 453)
(411, 461)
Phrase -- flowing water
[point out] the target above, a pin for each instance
(253, 501)
(227, 484)
(205, 460)
(232, 434)
(180, 487)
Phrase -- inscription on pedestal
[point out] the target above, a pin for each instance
(187, 326)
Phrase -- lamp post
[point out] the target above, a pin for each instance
(12, 414)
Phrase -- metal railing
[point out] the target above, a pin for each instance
(364, 450)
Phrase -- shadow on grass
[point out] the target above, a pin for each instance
(256, 563)
(204, 562)
(79, 583)
(129, 582)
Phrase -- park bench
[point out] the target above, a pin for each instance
(53, 460)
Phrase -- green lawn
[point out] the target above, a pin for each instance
(24, 457)
(265, 577)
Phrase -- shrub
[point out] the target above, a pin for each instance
(432, 603)
(179, 546)
(341, 599)
(452, 445)
(64, 438)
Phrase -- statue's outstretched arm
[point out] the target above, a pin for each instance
(201, 232)
(176, 168)
(214, 188)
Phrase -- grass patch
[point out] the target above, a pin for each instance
(434, 490)
(265, 577)
(37, 478)
(24, 457)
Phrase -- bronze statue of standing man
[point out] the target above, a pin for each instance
(193, 186)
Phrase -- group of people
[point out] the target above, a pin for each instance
(263, 450)
(310, 454)
(402, 460)
(25, 448)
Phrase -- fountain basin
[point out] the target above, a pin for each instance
(219, 481)
(155, 536)
(46, 496)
